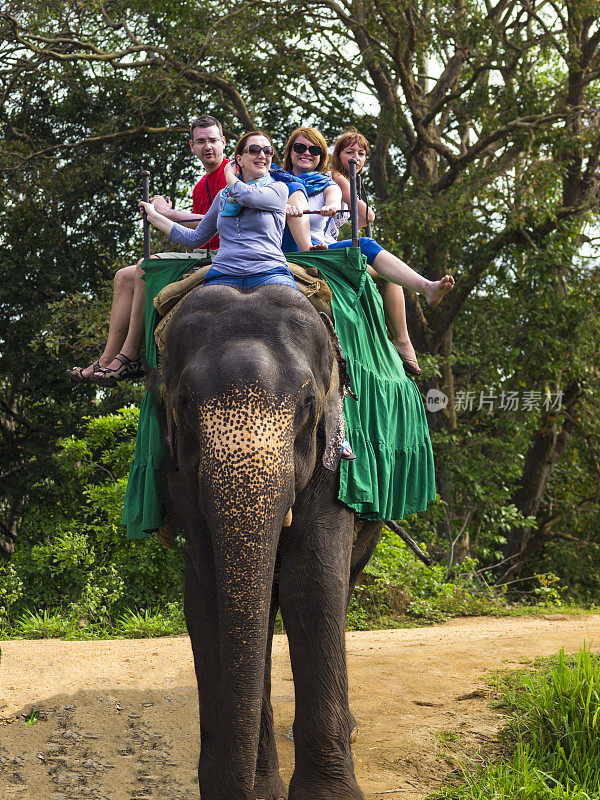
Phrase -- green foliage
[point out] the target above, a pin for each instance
(555, 732)
(164, 622)
(77, 573)
(396, 588)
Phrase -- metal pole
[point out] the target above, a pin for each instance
(146, 198)
(353, 202)
(360, 187)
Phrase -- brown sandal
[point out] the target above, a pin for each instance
(129, 370)
(76, 373)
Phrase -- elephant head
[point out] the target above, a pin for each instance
(251, 391)
(250, 386)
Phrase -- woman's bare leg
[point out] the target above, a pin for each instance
(396, 271)
(120, 313)
(395, 312)
(299, 226)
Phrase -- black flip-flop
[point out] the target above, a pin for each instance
(408, 362)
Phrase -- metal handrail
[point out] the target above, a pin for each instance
(353, 202)
(146, 198)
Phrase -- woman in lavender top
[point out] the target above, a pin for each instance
(249, 216)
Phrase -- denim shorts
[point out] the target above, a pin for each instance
(368, 247)
(248, 282)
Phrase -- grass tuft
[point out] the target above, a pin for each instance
(555, 733)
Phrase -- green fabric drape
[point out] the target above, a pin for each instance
(144, 508)
(393, 475)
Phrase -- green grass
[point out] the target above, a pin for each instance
(554, 735)
(375, 614)
(132, 624)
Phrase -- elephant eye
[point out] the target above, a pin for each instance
(184, 408)
(309, 401)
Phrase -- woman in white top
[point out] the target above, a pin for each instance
(306, 158)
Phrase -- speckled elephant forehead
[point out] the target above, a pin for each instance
(249, 424)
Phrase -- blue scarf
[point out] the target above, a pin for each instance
(312, 182)
(231, 208)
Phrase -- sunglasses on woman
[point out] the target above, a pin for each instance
(313, 149)
(256, 149)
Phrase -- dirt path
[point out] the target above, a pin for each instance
(118, 719)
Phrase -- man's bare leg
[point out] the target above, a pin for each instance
(129, 344)
(120, 313)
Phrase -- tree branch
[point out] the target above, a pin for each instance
(482, 258)
(483, 145)
(96, 140)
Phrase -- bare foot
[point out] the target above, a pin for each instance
(438, 289)
(407, 353)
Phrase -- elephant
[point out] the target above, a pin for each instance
(249, 394)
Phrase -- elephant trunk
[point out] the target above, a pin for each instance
(246, 475)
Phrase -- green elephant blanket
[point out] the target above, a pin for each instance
(393, 475)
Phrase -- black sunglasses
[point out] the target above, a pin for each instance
(255, 149)
(313, 149)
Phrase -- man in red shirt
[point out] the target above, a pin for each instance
(121, 356)
(207, 143)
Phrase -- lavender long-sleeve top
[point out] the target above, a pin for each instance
(250, 241)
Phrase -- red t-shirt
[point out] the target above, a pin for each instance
(205, 192)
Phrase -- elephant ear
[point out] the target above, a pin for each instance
(333, 417)
(165, 410)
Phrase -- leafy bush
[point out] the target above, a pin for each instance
(74, 562)
(138, 625)
(396, 588)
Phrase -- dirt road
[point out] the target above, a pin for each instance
(117, 720)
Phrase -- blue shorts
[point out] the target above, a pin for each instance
(368, 247)
(246, 283)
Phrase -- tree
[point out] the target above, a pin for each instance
(485, 161)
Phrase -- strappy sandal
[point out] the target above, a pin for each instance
(128, 371)
(76, 373)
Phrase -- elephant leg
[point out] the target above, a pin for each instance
(364, 546)
(201, 617)
(315, 564)
(268, 784)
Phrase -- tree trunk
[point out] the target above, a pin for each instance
(9, 528)
(547, 446)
